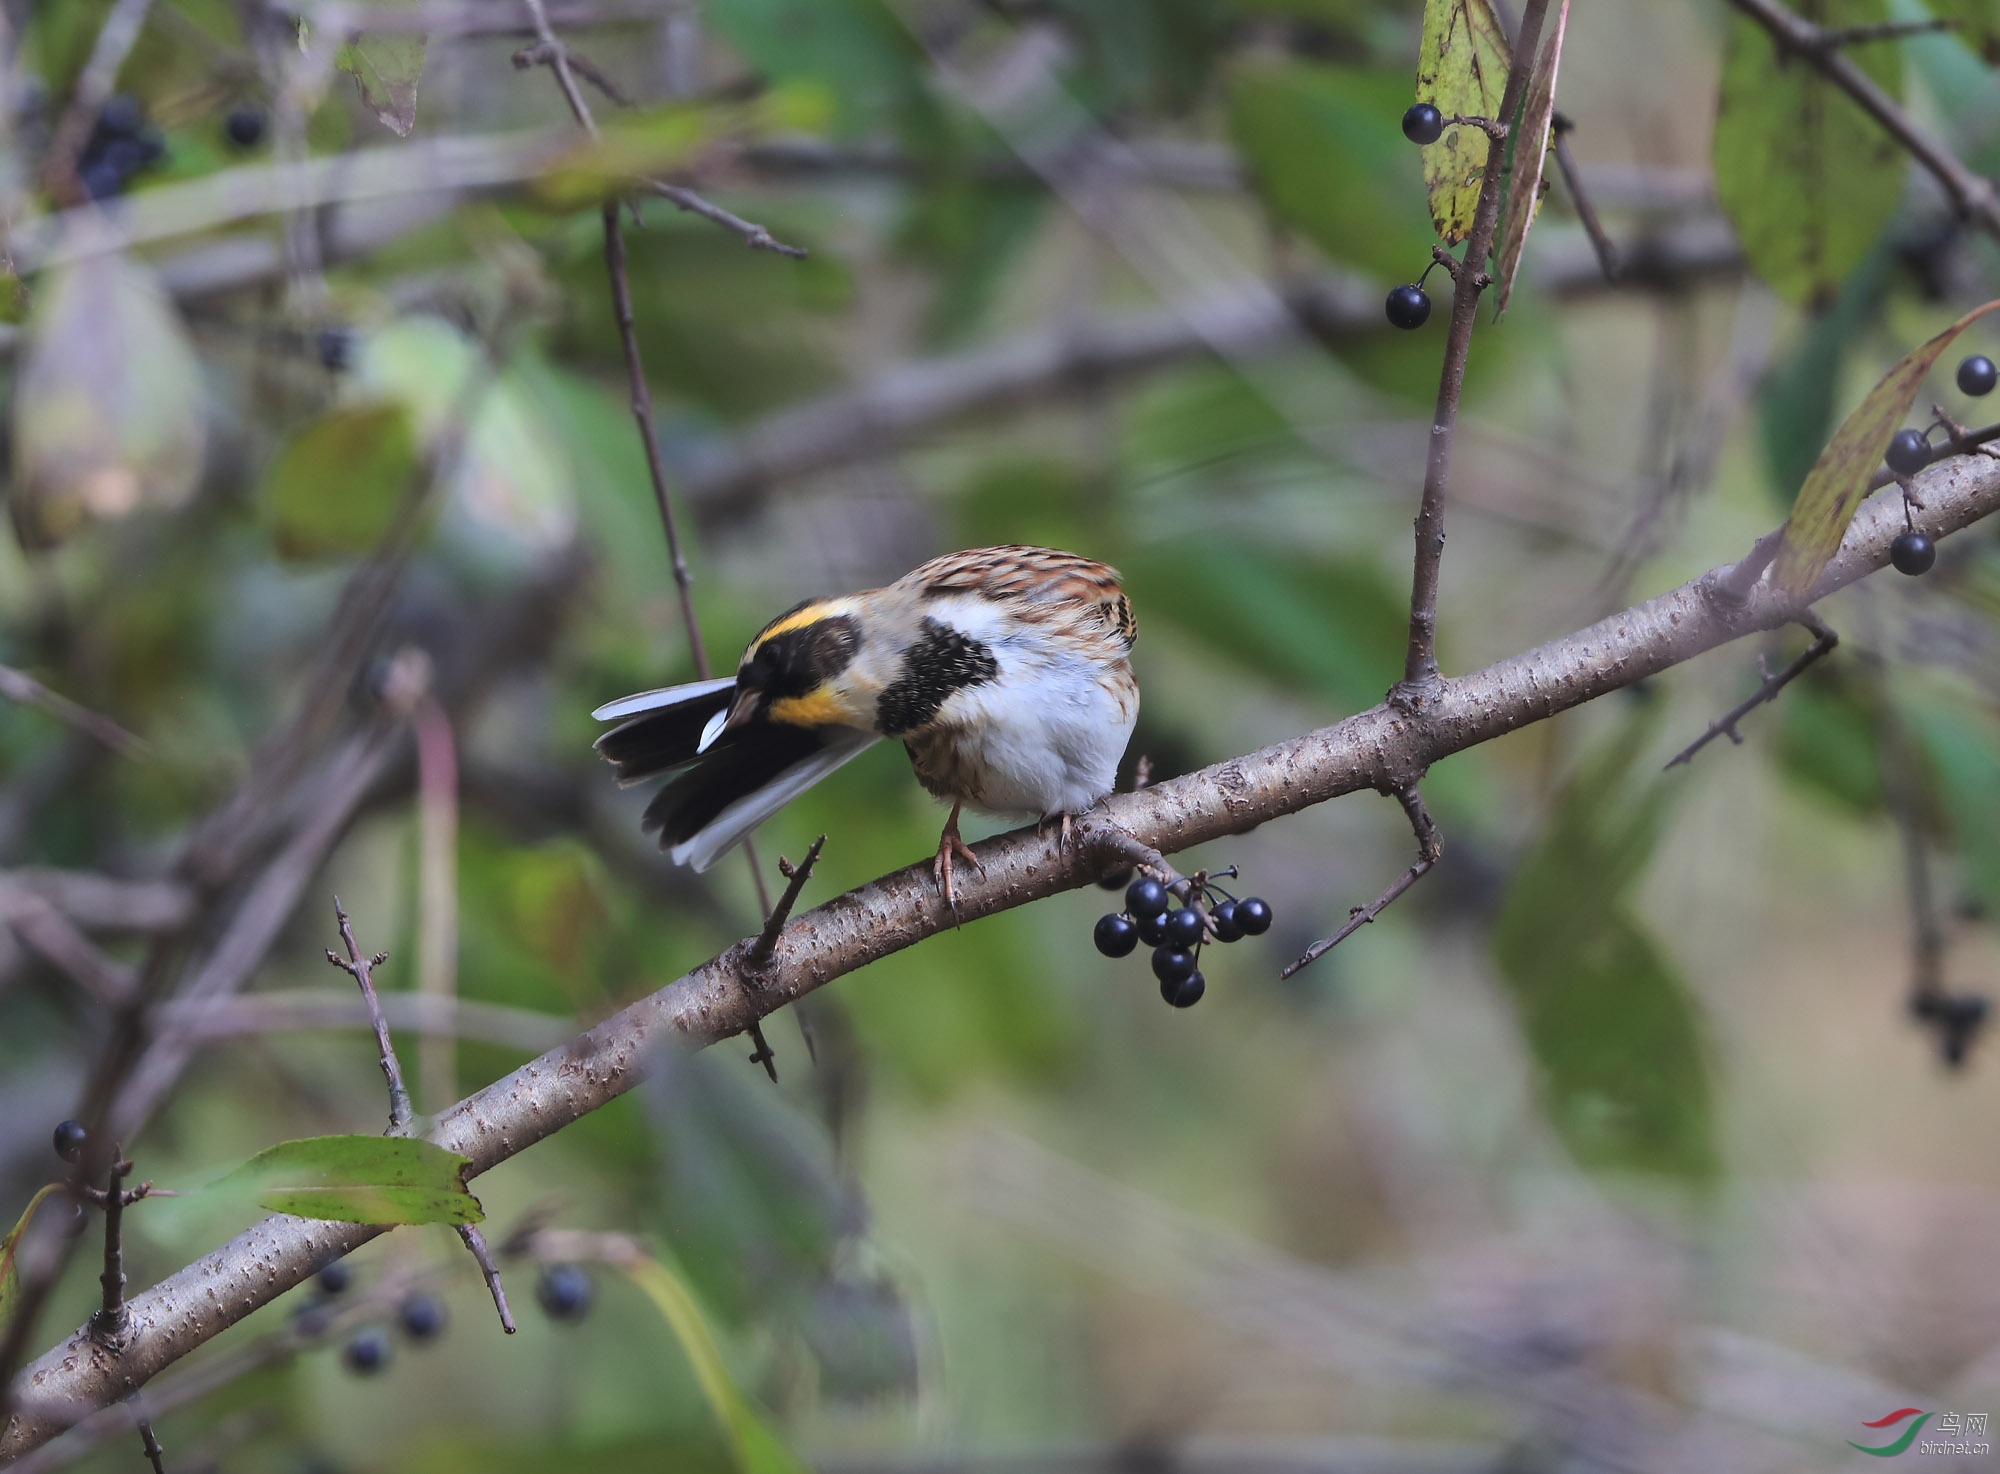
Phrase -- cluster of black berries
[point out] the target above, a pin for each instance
(1957, 1018)
(121, 145)
(1177, 933)
(1910, 451)
(421, 1318)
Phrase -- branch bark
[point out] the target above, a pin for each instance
(1385, 748)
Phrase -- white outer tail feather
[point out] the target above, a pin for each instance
(630, 706)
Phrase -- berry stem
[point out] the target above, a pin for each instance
(1420, 668)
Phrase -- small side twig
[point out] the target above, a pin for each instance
(1600, 242)
(1832, 38)
(19, 686)
(759, 956)
(1824, 640)
(108, 1324)
(1429, 847)
(754, 235)
(543, 54)
(155, 1455)
(476, 1243)
(359, 968)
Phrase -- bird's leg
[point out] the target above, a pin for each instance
(950, 844)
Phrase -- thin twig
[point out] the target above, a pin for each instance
(154, 1453)
(1833, 37)
(359, 968)
(476, 1242)
(754, 235)
(437, 894)
(1420, 667)
(19, 686)
(1600, 241)
(1824, 640)
(1970, 193)
(1429, 847)
(109, 1324)
(759, 956)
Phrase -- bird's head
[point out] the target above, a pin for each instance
(790, 672)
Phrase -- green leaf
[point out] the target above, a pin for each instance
(758, 1450)
(1614, 1031)
(1978, 25)
(1960, 745)
(1839, 478)
(108, 401)
(386, 70)
(334, 486)
(1533, 134)
(1330, 161)
(636, 147)
(359, 1179)
(1461, 69)
(10, 1278)
(859, 50)
(1807, 178)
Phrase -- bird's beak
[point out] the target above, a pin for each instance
(739, 712)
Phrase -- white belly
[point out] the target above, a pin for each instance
(1045, 738)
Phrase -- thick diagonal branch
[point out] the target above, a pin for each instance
(1383, 748)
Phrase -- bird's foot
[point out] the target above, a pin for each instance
(950, 845)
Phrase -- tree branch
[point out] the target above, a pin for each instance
(1971, 195)
(1429, 848)
(19, 686)
(1824, 640)
(1385, 747)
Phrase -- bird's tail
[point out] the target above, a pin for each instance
(717, 797)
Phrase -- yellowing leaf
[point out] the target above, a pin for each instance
(336, 483)
(10, 1279)
(108, 405)
(756, 1448)
(1806, 177)
(359, 1179)
(1839, 478)
(1461, 69)
(386, 70)
(1532, 140)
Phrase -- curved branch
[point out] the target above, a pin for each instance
(1383, 748)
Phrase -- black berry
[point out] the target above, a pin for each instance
(1172, 964)
(121, 116)
(1408, 307)
(1115, 936)
(367, 1353)
(336, 348)
(1908, 452)
(1152, 930)
(564, 1292)
(244, 127)
(1254, 916)
(1186, 992)
(1977, 375)
(421, 1317)
(334, 1278)
(1423, 123)
(1146, 897)
(100, 181)
(1913, 553)
(1117, 880)
(69, 1139)
(1222, 921)
(1184, 927)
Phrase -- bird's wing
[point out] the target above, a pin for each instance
(661, 730)
(703, 813)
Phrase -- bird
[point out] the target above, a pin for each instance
(1005, 672)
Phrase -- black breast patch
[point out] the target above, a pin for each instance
(940, 662)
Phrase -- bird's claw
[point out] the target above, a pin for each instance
(949, 844)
